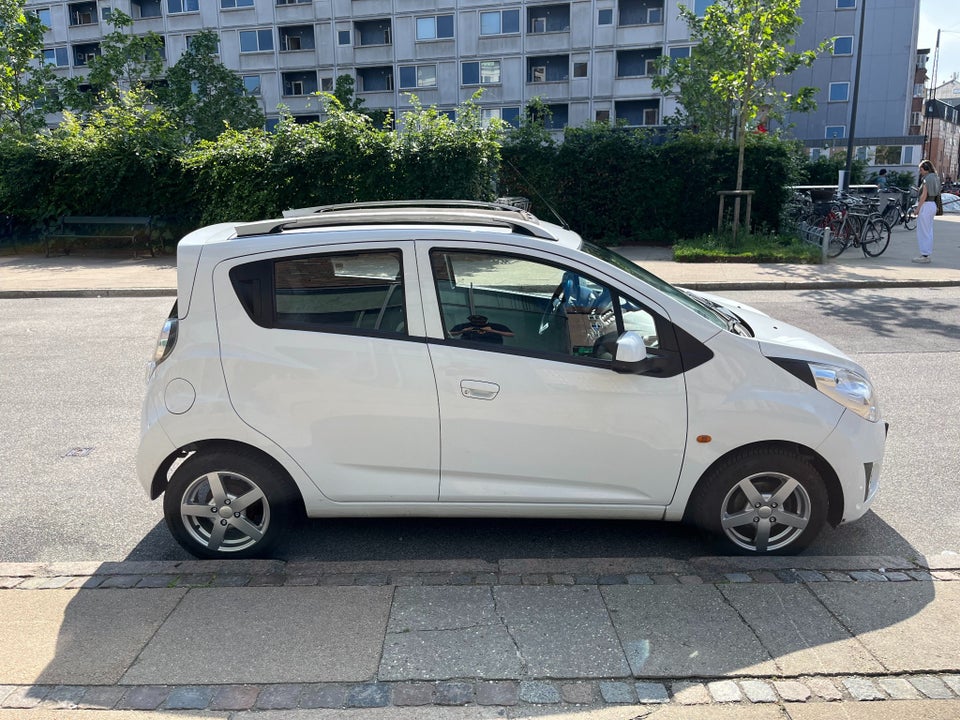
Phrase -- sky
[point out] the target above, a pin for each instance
(941, 15)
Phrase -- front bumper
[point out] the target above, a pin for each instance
(855, 451)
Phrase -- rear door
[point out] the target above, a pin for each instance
(323, 352)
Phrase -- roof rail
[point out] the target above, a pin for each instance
(507, 217)
(382, 204)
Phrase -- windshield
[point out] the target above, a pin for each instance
(619, 261)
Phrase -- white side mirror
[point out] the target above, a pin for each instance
(631, 353)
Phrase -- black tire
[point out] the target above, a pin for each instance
(783, 486)
(838, 240)
(910, 219)
(876, 238)
(241, 518)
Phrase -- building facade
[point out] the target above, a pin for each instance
(886, 124)
(586, 59)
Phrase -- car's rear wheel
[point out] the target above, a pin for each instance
(763, 502)
(227, 505)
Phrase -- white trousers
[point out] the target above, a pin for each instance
(925, 227)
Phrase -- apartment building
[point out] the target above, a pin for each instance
(888, 91)
(587, 59)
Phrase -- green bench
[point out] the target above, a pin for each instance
(73, 229)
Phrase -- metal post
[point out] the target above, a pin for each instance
(856, 95)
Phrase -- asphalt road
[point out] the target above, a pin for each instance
(72, 378)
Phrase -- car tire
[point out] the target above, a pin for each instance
(762, 501)
(227, 504)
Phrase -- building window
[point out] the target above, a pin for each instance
(861, 153)
(846, 4)
(83, 54)
(835, 132)
(915, 118)
(501, 22)
(182, 6)
(299, 83)
(700, 7)
(326, 84)
(640, 12)
(551, 68)
(637, 63)
(843, 45)
(435, 27)
(548, 18)
(839, 92)
(485, 72)
(509, 115)
(375, 79)
(227, 4)
(814, 154)
(45, 19)
(56, 56)
(252, 41)
(580, 69)
(293, 2)
(145, 9)
(679, 53)
(637, 113)
(343, 37)
(251, 84)
(189, 39)
(84, 13)
(296, 37)
(907, 155)
(554, 117)
(605, 17)
(418, 76)
(373, 32)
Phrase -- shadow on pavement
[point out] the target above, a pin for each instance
(186, 629)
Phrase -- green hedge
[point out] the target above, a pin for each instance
(614, 185)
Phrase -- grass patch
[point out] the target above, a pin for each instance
(722, 248)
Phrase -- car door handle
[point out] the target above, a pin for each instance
(478, 389)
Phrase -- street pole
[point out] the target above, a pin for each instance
(856, 97)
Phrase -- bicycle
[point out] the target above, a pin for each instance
(865, 230)
(893, 213)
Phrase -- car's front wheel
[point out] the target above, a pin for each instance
(226, 505)
(763, 502)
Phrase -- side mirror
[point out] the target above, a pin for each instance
(631, 354)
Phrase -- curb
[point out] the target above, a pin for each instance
(556, 695)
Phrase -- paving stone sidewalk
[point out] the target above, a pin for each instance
(566, 634)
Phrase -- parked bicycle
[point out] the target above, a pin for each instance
(893, 213)
(853, 221)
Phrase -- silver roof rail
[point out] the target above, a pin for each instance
(383, 204)
(507, 217)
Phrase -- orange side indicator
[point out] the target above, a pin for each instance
(704, 438)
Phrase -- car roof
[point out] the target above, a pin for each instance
(417, 212)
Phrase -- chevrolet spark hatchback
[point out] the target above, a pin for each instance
(468, 359)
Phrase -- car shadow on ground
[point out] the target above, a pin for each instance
(369, 615)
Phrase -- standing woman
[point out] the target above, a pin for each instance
(926, 210)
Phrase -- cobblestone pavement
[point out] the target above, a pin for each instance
(559, 693)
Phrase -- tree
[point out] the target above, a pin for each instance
(205, 96)
(125, 62)
(743, 47)
(25, 79)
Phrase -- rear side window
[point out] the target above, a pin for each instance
(342, 292)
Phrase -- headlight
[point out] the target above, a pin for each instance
(849, 388)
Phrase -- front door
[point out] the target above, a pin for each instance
(531, 411)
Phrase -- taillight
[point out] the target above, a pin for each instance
(166, 341)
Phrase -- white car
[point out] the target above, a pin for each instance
(467, 359)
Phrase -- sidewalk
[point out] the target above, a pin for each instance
(121, 275)
(801, 637)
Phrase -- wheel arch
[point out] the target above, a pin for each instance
(162, 476)
(830, 479)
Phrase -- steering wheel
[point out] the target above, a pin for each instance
(554, 309)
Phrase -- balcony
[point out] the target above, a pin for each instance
(82, 13)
